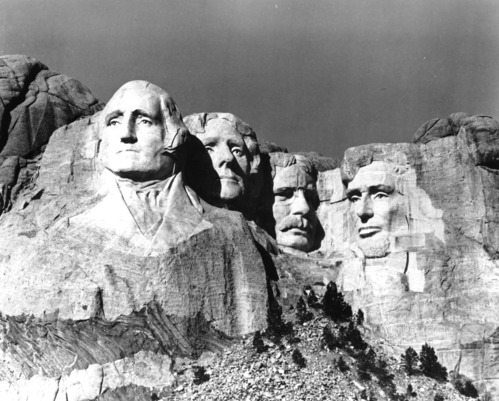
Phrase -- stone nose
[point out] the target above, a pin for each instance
(300, 206)
(127, 131)
(223, 155)
(364, 208)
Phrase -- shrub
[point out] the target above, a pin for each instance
(302, 313)
(359, 318)
(258, 343)
(342, 365)
(200, 375)
(465, 386)
(334, 305)
(312, 299)
(410, 360)
(385, 378)
(355, 338)
(332, 340)
(298, 359)
(439, 397)
(366, 364)
(410, 392)
(430, 365)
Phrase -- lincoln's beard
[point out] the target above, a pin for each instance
(377, 246)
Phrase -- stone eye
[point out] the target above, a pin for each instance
(380, 195)
(237, 151)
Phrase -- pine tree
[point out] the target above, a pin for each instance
(410, 360)
(334, 305)
(258, 343)
(276, 326)
(302, 313)
(430, 365)
(359, 318)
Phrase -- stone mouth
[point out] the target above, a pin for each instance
(365, 232)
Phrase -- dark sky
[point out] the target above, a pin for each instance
(312, 75)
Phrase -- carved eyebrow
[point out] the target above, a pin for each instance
(381, 188)
(352, 192)
(113, 114)
(143, 113)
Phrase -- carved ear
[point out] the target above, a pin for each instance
(255, 163)
(172, 120)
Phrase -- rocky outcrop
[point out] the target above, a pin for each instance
(436, 278)
(85, 314)
(34, 102)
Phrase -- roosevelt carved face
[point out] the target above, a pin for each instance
(230, 159)
(295, 200)
(376, 206)
(133, 135)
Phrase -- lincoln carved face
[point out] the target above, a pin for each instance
(376, 207)
(295, 202)
(134, 133)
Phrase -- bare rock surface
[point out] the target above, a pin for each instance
(89, 314)
(34, 102)
(433, 277)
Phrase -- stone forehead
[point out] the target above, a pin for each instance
(198, 122)
(292, 176)
(140, 88)
(378, 172)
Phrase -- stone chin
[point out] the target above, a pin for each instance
(301, 242)
(231, 190)
(377, 246)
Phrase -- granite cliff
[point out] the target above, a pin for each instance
(114, 270)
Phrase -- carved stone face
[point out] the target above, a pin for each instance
(230, 158)
(376, 206)
(295, 198)
(133, 136)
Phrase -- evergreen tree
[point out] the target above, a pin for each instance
(334, 305)
(298, 358)
(410, 360)
(355, 338)
(341, 365)
(332, 340)
(359, 318)
(302, 313)
(258, 343)
(200, 375)
(276, 326)
(430, 365)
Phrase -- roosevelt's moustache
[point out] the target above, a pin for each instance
(290, 222)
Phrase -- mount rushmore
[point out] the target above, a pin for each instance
(132, 235)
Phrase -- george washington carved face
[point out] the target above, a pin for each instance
(135, 133)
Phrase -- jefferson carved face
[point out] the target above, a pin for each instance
(230, 158)
(376, 206)
(133, 135)
(295, 200)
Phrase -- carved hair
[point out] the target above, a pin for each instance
(197, 126)
(280, 159)
(175, 131)
(363, 156)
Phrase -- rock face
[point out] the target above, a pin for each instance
(88, 312)
(34, 102)
(414, 233)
